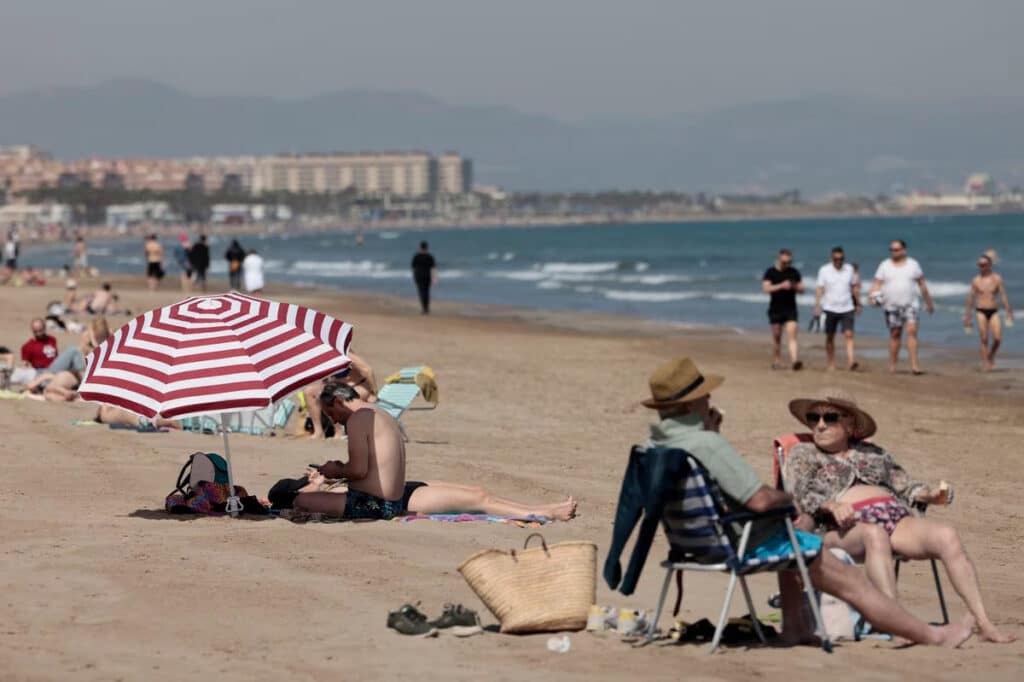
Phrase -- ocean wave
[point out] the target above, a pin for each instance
(355, 267)
(654, 280)
(947, 289)
(552, 268)
(650, 296)
(549, 284)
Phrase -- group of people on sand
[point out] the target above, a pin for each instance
(897, 283)
(245, 268)
(852, 492)
(46, 372)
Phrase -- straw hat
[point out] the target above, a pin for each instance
(679, 381)
(863, 428)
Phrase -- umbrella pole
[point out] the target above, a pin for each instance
(234, 505)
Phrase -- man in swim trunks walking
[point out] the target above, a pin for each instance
(375, 471)
(985, 287)
(894, 288)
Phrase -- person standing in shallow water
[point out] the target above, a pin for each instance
(424, 274)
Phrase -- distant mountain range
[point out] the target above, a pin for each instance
(818, 144)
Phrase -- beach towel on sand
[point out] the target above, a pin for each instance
(527, 522)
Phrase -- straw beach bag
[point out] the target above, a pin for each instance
(543, 589)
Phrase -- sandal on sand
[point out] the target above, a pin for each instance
(409, 620)
(798, 365)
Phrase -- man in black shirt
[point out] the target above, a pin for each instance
(424, 273)
(199, 256)
(782, 282)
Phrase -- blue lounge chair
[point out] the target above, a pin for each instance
(253, 422)
(401, 389)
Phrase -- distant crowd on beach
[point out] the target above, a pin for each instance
(245, 267)
(898, 288)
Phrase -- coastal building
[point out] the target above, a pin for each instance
(24, 168)
(403, 174)
(34, 215)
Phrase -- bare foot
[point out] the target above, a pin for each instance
(953, 635)
(563, 511)
(991, 633)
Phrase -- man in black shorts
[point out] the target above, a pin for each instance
(375, 470)
(782, 282)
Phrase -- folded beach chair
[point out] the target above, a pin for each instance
(401, 389)
(253, 422)
(700, 537)
(781, 447)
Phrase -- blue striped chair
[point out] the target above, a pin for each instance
(399, 392)
(701, 539)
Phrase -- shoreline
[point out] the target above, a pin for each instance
(334, 224)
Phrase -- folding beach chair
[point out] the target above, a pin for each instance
(253, 422)
(401, 389)
(701, 538)
(781, 447)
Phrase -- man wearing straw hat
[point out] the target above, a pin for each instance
(681, 394)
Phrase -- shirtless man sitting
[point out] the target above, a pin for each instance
(985, 287)
(375, 471)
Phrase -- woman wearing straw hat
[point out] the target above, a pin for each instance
(864, 498)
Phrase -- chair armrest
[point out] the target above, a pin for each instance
(744, 516)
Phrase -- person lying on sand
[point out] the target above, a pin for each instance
(59, 381)
(108, 414)
(864, 499)
(375, 470)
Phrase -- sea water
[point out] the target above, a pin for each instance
(691, 273)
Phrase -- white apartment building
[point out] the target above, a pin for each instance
(405, 174)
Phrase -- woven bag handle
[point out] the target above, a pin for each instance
(543, 542)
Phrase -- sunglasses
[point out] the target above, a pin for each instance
(827, 417)
(898, 248)
(785, 263)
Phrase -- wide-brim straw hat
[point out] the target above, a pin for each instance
(679, 381)
(864, 426)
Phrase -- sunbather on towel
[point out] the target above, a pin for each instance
(864, 499)
(375, 470)
(108, 414)
(358, 375)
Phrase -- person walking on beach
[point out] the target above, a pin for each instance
(252, 269)
(199, 256)
(80, 257)
(838, 294)
(154, 262)
(11, 251)
(986, 286)
(783, 282)
(424, 274)
(234, 256)
(183, 258)
(897, 281)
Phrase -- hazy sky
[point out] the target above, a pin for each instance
(569, 58)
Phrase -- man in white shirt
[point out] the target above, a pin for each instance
(838, 294)
(897, 281)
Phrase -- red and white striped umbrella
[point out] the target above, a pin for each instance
(209, 354)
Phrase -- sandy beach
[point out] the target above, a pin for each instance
(100, 584)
